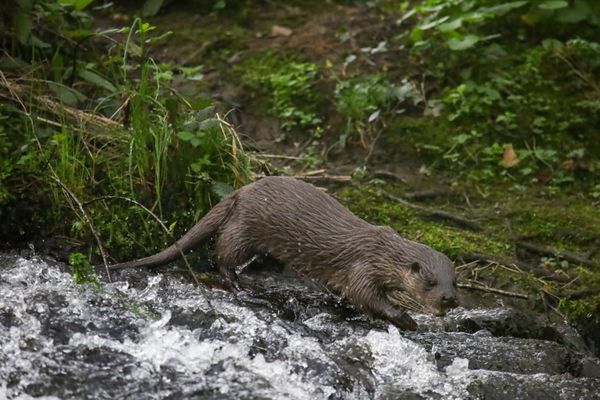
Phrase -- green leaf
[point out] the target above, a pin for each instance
(186, 136)
(22, 26)
(77, 4)
(37, 42)
(221, 189)
(205, 113)
(580, 11)
(65, 94)
(7, 62)
(83, 272)
(209, 124)
(97, 80)
(78, 33)
(134, 49)
(164, 75)
(433, 24)
(81, 4)
(450, 26)
(416, 35)
(549, 44)
(462, 44)
(504, 8)
(151, 7)
(553, 4)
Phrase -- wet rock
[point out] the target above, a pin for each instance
(538, 387)
(285, 339)
(516, 355)
(501, 322)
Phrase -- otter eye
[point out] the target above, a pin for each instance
(431, 282)
(415, 267)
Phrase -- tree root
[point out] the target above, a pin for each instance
(438, 214)
(547, 251)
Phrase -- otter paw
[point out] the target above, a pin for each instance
(404, 321)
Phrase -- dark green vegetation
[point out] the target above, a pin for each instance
(494, 104)
(92, 128)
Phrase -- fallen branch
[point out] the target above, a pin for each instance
(372, 146)
(387, 175)
(478, 257)
(16, 91)
(443, 215)
(488, 289)
(547, 251)
(315, 172)
(426, 194)
(330, 178)
(281, 156)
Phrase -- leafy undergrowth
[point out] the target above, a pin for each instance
(96, 143)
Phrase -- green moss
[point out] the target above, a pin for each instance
(368, 204)
(426, 135)
(288, 84)
(565, 220)
(584, 314)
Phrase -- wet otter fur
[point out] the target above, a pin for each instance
(299, 225)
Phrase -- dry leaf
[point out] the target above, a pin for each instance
(277, 30)
(568, 165)
(509, 159)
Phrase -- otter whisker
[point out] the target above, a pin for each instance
(402, 299)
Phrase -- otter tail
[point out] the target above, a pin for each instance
(204, 229)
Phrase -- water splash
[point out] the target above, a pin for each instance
(160, 338)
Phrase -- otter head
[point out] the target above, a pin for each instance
(418, 277)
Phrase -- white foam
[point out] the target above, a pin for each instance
(400, 364)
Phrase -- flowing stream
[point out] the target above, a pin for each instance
(157, 336)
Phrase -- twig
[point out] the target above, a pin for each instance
(332, 178)
(87, 219)
(426, 194)
(15, 90)
(478, 257)
(466, 265)
(284, 157)
(580, 74)
(372, 146)
(467, 200)
(387, 174)
(492, 290)
(315, 172)
(435, 213)
(547, 251)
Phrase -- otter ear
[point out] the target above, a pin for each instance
(415, 267)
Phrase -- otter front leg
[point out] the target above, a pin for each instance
(395, 315)
(368, 298)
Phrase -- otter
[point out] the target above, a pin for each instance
(299, 225)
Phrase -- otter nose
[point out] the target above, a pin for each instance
(449, 301)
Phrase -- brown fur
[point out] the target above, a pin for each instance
(294, 222)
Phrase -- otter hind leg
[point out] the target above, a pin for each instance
(232, 250)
